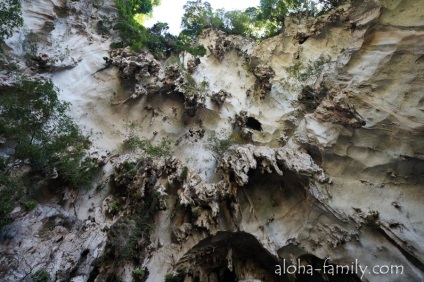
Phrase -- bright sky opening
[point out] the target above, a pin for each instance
(171, 11)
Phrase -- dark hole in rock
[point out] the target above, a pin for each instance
(85, 253)
(303, 39)
(232, 177)
(229, 276)
(315, 154)
(254, 124)
(81, 261)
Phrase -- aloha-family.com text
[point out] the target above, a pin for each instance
(331, 269)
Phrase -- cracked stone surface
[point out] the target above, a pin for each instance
(336, 171)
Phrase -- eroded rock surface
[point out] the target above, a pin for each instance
(332, 168)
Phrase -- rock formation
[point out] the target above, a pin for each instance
(332, 172)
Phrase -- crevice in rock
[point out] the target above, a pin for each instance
(404, 250)
(81, 262)
(93, 274)
(253, 123)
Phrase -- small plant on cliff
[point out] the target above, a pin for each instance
(140, 274)
(176, 276)
(196, 211)
(220, 146)
(373, 219)
(30, 45)
(133, 142)
(163, 149)
(41, 275)
(312, 69)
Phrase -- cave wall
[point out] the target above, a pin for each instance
(336, 146)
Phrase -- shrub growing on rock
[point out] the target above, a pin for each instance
(38, 129)
(38, 132)
(41, 275)
(10, 17)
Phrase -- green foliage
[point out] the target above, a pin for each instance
(175, 277)
(77, 169)
(115, 45)
(131, 234)
(196, 211)
(163, 149)
(133, 142)
(200, 15)
(305, 72)
(169, 277)
(10, 17)
(295, 69)
(258, 22)
(155, 39)
(41, 275)
(220, 146)
(140, 274)
(173, 60)
(264, 21)
(192, 87)
(272, 13)
(196, 50)
(38, 128)
(30, 204)
(123, 238)
(30, 45)
(132, 33)
(98, 3)
(184, 173)
(197, 16)
(114, 208)
(239, 22)
(11, 192)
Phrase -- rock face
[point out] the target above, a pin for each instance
(337, 109)
(332, 172)
(263, 76)
(220, 97)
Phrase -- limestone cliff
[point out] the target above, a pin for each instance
(304, 147)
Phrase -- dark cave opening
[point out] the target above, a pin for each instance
(229, 276)
(210, 258)
(253, 123)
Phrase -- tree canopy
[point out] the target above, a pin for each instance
(258, 22)
(35, 123)
(10, 17)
